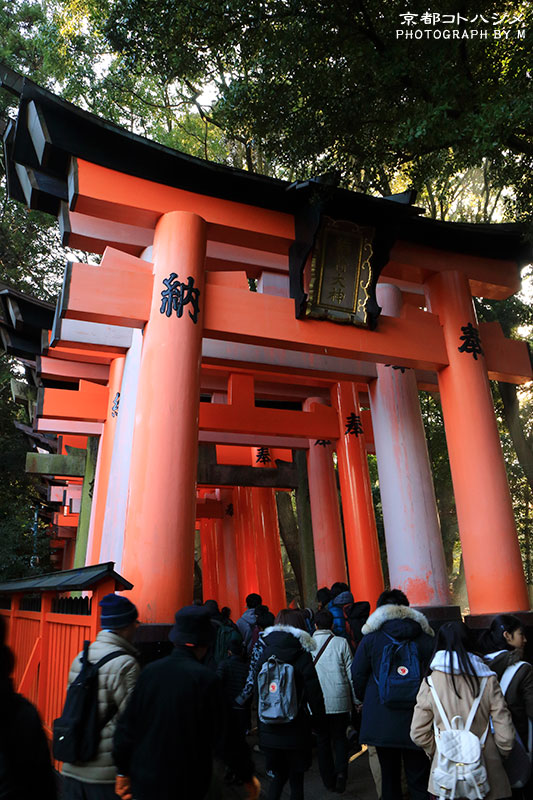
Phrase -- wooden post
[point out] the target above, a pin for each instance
(327, 529)
(362, 547)
(160, 519)
(234, 593)
(493, 564)
(104, 462)
(46, 656)
(246, 543)
(412, 529)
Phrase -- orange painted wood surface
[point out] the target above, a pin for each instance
(488, 277)
(65, 520)
(493, 565)
(111, 296)
(240, 415)
(159, 532)
(507, 360)
(71, 371)
(237, 315)
(88, 403)
(360, 532)
(104, 193)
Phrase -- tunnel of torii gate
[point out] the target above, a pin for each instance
(190, 396)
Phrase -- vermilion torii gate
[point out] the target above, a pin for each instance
(190, 355)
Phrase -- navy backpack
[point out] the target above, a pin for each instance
(399, 674)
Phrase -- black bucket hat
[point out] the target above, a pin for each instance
(192, 627)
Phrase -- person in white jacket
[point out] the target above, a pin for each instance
(333, 661)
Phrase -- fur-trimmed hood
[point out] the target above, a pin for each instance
(305, 639)
(393, 612)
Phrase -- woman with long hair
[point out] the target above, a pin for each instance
(459, 675)
(503, 645)
(287, 746)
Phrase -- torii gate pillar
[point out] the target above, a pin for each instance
(412, 529)
(362, 546)
(493, 566)
(160, 520)
(325, 514)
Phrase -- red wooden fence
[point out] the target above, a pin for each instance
(45, 643)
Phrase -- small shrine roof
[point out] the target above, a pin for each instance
(67, 580)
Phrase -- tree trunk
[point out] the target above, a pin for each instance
(288, 529)
(524, 450)
(305, 529)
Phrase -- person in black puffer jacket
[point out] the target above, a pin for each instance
(387, 729)
(287, 746)
(233, 671)
(25, 768)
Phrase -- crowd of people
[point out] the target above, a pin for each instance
(442, 716)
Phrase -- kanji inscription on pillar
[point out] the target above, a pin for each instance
(471, 342)
(395, 366)
(114, 407)
(177, 295)
(263, 456)
(322, 442)
(353, 425)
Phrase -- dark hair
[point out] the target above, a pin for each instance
(253, 600)
(337, 588)
(212, 607)
(265, 619)
(493, 639)
(393, 597)
(455, 637)
(324, 619)
(225, 613)
(293, 617)
(323, 596)
(236, 646)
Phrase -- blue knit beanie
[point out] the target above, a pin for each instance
(117, 612)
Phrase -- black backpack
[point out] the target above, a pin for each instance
(77, 731)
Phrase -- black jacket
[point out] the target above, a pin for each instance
(25, 768)
(382, 726)
(174, 720)
(519, 696)
(294, 646)
(233, 672)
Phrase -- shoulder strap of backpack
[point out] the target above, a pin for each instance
(474, 709)
(328, 640)
(112, 708)
(439, 705)
(84, 657)
(395, 641)
(509, 674)
(110, 657)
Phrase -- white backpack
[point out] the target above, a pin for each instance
(460, 769)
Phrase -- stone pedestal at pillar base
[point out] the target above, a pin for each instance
(152, 642)
(479, 623)
(438, 615)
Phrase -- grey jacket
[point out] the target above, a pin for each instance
(116, 680)
(246, 624)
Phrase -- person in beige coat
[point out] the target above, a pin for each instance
(456, 673)
(333, 661)
(95, 780)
